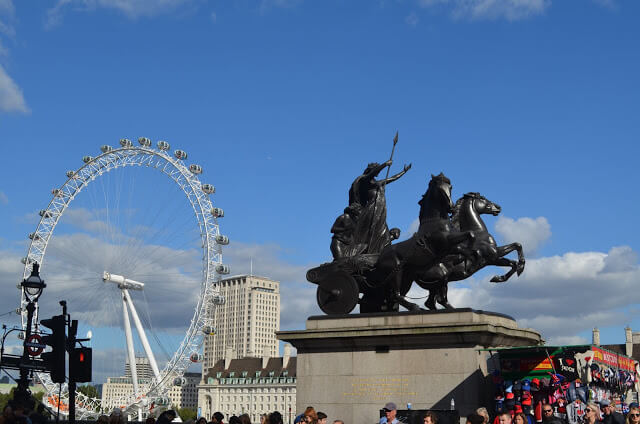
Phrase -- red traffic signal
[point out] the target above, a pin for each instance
(80, 364)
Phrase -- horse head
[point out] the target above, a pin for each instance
(467, 211)
(436, 202)
(482, 205)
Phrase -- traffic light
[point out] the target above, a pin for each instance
(54, 361)
(80, 364)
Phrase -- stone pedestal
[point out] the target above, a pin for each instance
(350, 366)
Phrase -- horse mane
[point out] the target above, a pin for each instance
(455, 214)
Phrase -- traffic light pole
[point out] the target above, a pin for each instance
(71, 344)
(22, 393)
(53, 362)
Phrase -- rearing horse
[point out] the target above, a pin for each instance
(401, 263)
(466, 217)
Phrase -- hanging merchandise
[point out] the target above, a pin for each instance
(565, 377)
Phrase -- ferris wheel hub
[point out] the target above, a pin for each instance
(122, 282)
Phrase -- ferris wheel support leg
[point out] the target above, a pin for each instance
(143, 336)
(130, 351)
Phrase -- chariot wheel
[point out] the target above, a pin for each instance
(337, 293)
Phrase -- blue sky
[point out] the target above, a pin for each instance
(533, 103)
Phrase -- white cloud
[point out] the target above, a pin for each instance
(561, 295)
(298, 297)
(11, 98)
(3, 198)
(7, 29)
(620, 259)
(609, 4)
(531, 233)
(53, 16)
(413, 228)
(7, 12)
(7, 7)
(132, 9)
(511, 10)
(567, 341)
(429, 3)
(269, 4)
(412, 19)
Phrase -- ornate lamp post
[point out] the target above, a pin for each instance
(32, 286)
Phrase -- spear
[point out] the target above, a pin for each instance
(395, 141)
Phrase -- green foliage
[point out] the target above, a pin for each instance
(5, 398)
(89, 391)
(187, 414)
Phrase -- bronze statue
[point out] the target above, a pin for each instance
(362, 228)
(466, 217)
(369, 270)
(400, 264)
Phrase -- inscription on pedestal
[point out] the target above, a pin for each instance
(378, 388)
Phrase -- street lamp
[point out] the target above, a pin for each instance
(33, 284)
(32, 287)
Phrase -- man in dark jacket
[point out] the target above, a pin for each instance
(610, 414)
(548, 417)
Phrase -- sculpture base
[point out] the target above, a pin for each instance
(349, 366)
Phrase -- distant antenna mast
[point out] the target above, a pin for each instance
(251, 272)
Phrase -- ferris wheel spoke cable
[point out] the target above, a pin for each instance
(148, 324)
(136, 242)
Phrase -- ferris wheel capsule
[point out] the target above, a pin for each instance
(45, 213)
(26, 260)
(179, 381)
(217, 212)
(208, 188)
(222, 269)
(209, 330)
(218, 299)
(220, 239)
(144, 141)
(71, 174)
(196, 357)
(57, 192)
(34, 236)
(125, 142)
(163, 401)
(163, 145)
(105, 148)
(180, 154)
(195, 169)
(87, 159)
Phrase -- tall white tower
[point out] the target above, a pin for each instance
(247, 322)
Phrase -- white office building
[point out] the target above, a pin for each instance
(246, 322)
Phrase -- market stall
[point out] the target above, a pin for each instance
(565, 377)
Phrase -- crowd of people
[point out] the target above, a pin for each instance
(309, 416)
(603, 412)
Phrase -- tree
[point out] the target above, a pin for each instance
(187, 414)
(89, 391)
(5, 398)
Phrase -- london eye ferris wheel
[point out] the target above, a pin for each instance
(136, 253)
